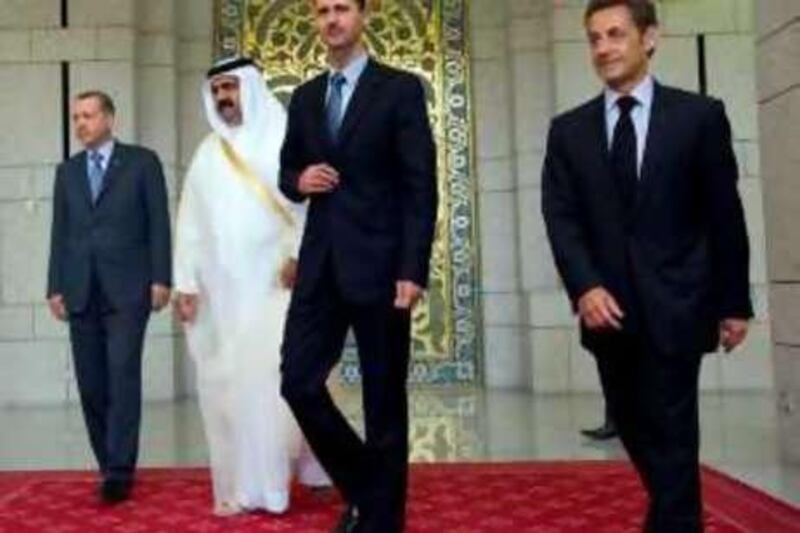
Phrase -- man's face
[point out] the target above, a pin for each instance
(340, 23)
(225, 91)
(619, 49)
(92, 125)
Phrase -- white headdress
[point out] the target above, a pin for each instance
(260, 136)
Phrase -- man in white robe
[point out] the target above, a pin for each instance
(237, 239)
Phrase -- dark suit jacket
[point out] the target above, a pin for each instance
(378, 224)
(124, 237)
(680, 263)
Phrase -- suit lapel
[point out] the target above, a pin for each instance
(656, 132)
(318, 90)
(82, 176)
(113, 170)
(359, 102)
(598, 142)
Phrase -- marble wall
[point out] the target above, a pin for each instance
(529, 61)
(778, 53)
(149, 55)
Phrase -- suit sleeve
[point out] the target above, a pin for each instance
(417, 157)
(158, 222)
(58, 231)
(292, 160)
(563, 221)
(728, 231)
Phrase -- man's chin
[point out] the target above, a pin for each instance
(613, 78)
(229, 119)
(338, 45)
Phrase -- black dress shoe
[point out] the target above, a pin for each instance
(348, 521)
(115, 491)
(607, 431)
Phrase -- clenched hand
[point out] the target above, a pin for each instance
(186, 307)
(407, 294)
(57, 307)
(318, 179)
(159, 296)
(732, 332)
(599, 310)
(288, 274)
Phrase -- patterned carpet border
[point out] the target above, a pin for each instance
(536, 497)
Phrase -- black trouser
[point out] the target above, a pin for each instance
(371, 474)
(107, 354)
(653, 399)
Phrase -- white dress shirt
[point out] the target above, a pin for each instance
(352, 72)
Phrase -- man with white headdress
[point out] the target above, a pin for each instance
(237, 239)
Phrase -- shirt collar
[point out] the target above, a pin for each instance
(105, 150)
(642, 92)
(352, 72)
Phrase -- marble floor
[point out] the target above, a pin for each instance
(739, 433)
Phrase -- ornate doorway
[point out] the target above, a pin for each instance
(427, 37)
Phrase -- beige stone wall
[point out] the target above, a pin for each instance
(779, 113)
(529, 61)
(507, 57)
(147, 54)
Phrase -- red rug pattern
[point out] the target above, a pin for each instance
(568, 497)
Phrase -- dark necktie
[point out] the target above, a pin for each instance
(623, 154)
(334, 109)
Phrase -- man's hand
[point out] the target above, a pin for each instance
(288, 274)
(732, 332)
(599, 310)
(407, 295)
(318, 179)
(186, 307)
(159, 296)
(57, 307)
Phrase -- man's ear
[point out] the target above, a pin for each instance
(651, 38)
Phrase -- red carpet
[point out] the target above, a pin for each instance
(585, 497)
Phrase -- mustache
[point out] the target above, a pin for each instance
(225, 103)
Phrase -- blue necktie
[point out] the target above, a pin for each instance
(95, 174)
(333, 111)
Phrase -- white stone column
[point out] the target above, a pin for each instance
(493, 102)
(779, 114)
(33, 349)
(155, 86)
(730, 35)
(128, 49)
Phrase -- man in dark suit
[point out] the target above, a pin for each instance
(359, 146)
(109, 267)
(648, 233)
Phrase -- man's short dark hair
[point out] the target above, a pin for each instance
(106, 102)
(643, 12)
(361, 4)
